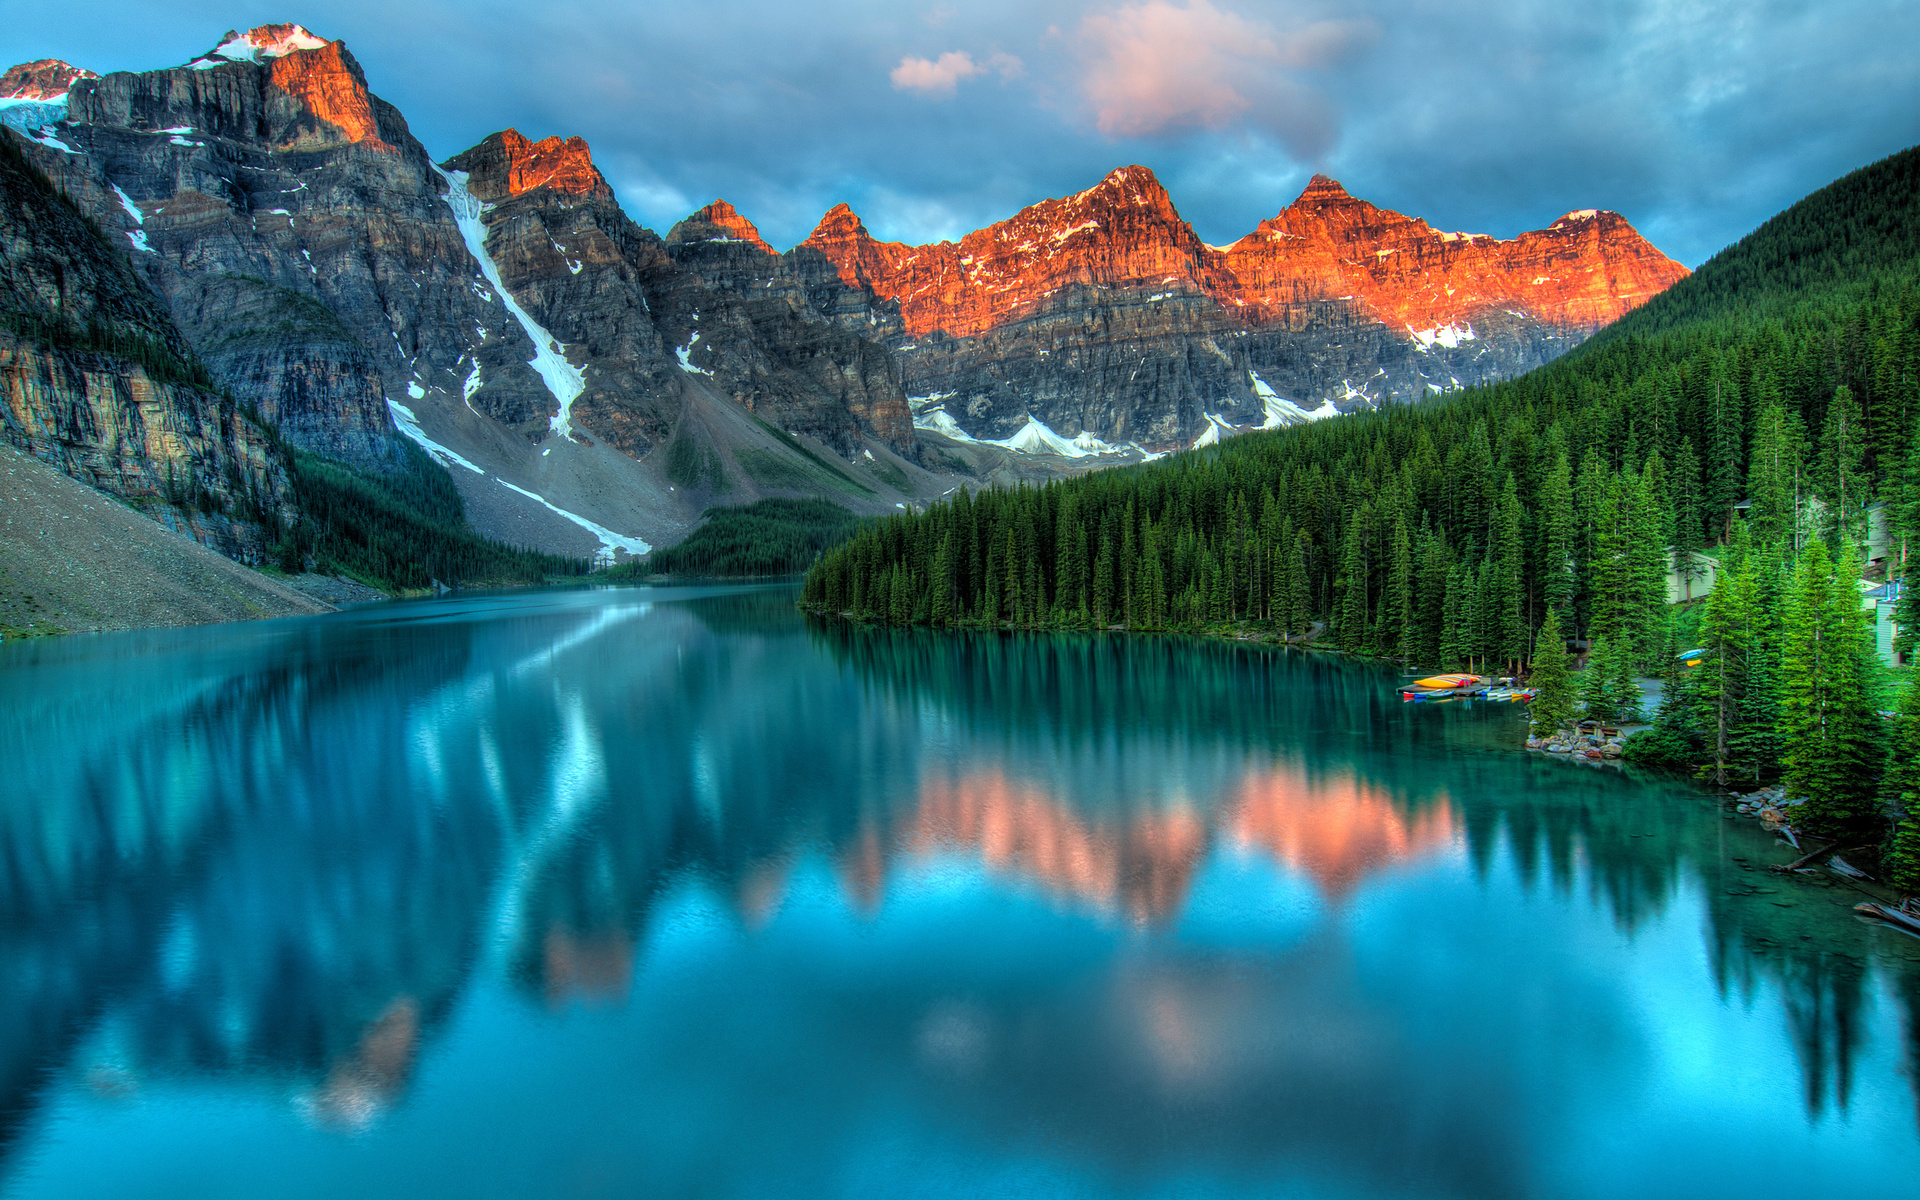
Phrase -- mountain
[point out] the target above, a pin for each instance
(592, 388)
(1102, 314)
(330, 274)
(1767, 403)
(97, 380)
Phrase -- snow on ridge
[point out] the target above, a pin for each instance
(255, 46)
(564, 380)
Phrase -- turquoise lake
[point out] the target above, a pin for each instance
(677, 893)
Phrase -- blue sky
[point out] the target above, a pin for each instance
(1696, 119)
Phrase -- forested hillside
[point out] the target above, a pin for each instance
(1785, 372)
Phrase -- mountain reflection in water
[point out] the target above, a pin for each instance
(723, 902)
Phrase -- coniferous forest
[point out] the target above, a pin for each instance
(1760, 415)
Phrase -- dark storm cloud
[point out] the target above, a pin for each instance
(1695, 119)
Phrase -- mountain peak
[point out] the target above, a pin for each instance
(839, 223)
(507, 164)
(1132, 185)
(45, 79)
(718, 222)
(259, 44)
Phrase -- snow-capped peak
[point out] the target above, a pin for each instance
(258, 44)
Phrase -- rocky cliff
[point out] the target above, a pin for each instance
(639, 321)
(296, 231)
(1102, 315)
(593, 386)
(504, 312)
(96, 379)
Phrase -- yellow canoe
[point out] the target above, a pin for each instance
(1443, 683)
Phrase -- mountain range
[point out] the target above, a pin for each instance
(592, 387)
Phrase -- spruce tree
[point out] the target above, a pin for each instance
(1900, 864)
(1552, 708)
(1720, 682)
(1596, 680)
(1833, 756)
(1557, 535)
(1842, 471)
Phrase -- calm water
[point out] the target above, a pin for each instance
(670, 893)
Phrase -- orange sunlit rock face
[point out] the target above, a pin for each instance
(1122, 231)
(1141, 868)
(721, 220)
(506, 164)
(329, 84)
(40, 80)
(1338, 831)
(1585, 270)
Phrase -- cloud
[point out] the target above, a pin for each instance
(938, 77)
(1159, 67)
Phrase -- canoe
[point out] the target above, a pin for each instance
(1693, 658)
(1446, 683)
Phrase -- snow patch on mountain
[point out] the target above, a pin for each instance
(1217, 428)
(1035, 437)
(1281, 411)
(258, 45)
(408, 424)
(610, 542)
(26, 113)
(685, 355)
(562, 378)
(1449, 336)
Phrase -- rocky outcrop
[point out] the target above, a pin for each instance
(46, 79)
(297, 232)
(638, 316)
(1102, 314)
(96, 380)
(1585, 270)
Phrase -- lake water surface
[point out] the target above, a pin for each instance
(663, 893)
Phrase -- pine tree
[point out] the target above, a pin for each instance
(941, 608)
(1508, 582)
(1832, 751)
(1556, 543)
(1720, 682)
(1901, 790)
(1773, 477)
(1683, 492)
(1299, 585)
(1552, 707)
(1843, 478)
(1596, 680)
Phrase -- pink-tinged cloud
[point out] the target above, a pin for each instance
(940, 76)
(1161, 67)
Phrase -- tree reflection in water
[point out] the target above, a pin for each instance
(280, 855)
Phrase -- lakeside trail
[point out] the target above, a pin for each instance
(73, 559)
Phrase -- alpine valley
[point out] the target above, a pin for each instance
(241, 296)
